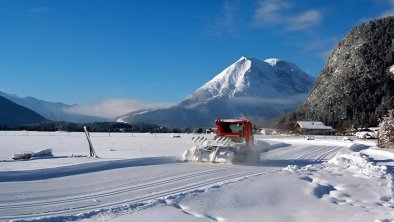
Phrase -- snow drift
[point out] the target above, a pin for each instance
(361, 164)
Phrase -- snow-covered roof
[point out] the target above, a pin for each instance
(313, 125)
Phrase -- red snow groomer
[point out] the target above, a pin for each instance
(237, 130)
(232, 142)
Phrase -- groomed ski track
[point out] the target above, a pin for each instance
(104, 190)
(128, 188)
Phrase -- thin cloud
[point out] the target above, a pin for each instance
(37, 11)
(276, 12)
(323, 47)
(304, 20)
(389, 11)
(225, 22)
(113, 108)
(270, 11)
(326, 54)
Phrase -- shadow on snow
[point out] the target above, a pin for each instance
(47, 173)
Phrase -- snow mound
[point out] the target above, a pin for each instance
(392, 69)
(272, 61)
(361, 163)
(298, 169)
(47, 153)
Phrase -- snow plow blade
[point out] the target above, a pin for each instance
(214, 154)
(220, 150)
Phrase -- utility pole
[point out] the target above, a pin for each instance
(91, 149)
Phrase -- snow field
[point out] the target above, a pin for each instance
(141, 177)
(352, 179)
(73, 147)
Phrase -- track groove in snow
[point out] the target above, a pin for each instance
(105, 194)
(317, 153)
(91, 203)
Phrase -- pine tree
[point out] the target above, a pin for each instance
(386, 131)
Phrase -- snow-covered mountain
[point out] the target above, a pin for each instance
(50, 110)
(248, 77)
(249, 88)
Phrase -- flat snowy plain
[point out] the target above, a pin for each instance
(141, 177)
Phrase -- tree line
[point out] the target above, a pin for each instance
(98, 127)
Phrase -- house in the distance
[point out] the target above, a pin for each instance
(313, 128)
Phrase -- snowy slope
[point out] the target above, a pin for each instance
(138, 178)
(251, 88)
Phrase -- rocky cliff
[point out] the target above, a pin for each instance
(356, 87)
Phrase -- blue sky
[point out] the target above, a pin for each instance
(151, 51)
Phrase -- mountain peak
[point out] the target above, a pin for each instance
(250, 77)
(249, 88)
(246, 58)
(270, 61)
(243, 58)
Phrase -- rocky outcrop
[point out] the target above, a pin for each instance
(356, 87)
